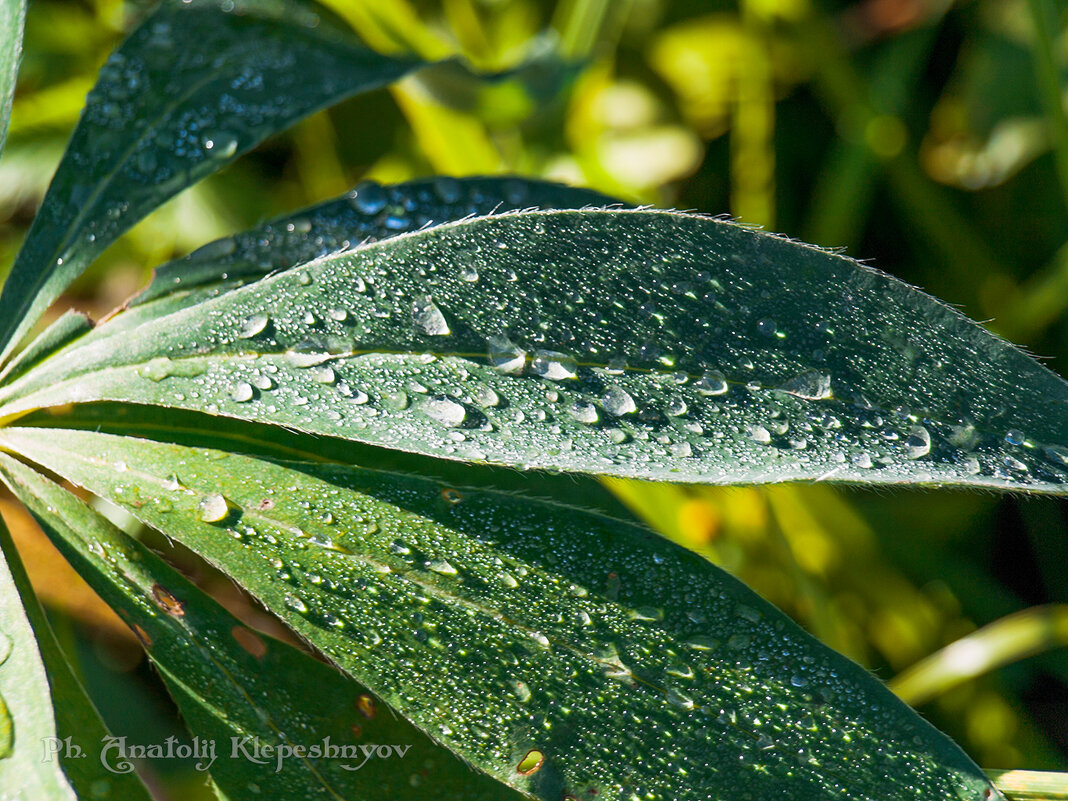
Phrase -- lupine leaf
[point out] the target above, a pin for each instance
(634, 343)
(12, 16)
(42, 705)
(195, 86)
(231, 683)
(544, 645)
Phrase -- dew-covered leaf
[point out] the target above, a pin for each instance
(633, 343)
(230, 682)
(564, 653)
(42, 703)
(274, 442)
(12, 16)
(369, 213)
(195, 86)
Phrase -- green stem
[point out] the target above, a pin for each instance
(1044, 17)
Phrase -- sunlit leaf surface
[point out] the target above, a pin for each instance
(633, 343)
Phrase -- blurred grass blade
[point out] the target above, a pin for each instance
(633, 343)
(539, 661)
(12, 16)
(1010, 639)
(42, 703)
(1031, 785)
(232, 683)
(195, 86)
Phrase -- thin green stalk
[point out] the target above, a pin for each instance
(1044, 17)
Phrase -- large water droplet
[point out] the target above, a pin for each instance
(214, 508)
(253, 325)
(712, 382)
(618, 402)
(427, 316)
(505, 355)
(445, 411)
(810, 385)
(368, 197)
(242, 392)
(553, 365)
(918, 442)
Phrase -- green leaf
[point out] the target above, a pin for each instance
(633, 343)
(194, 87)
(273, 442)
(42, 704)
(368, 213)
(546, 646)
(12, 16)
(66, 328)
(232, 683)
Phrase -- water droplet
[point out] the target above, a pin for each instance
(679, 699)
(253, 325)
(584, 412)
(221, 144)
(323, 374)
(306, 355)
(767, 327)
(1014, 437)
(506, 356)
(443, 567)
(1057, 455)
(368, 197)
(242, 392)
(676, 407)
(712, 382)
(469, 274)
(295, 603)
(398, 400)
(214, 508)
(485, 397)
(918, 442)
(863, 461)
(553, 365)
(445, 411)
(759, 434)
(810, 385)
(427, 316)
(522, 691)
(338, 315)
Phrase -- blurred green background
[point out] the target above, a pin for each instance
(926, 136)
